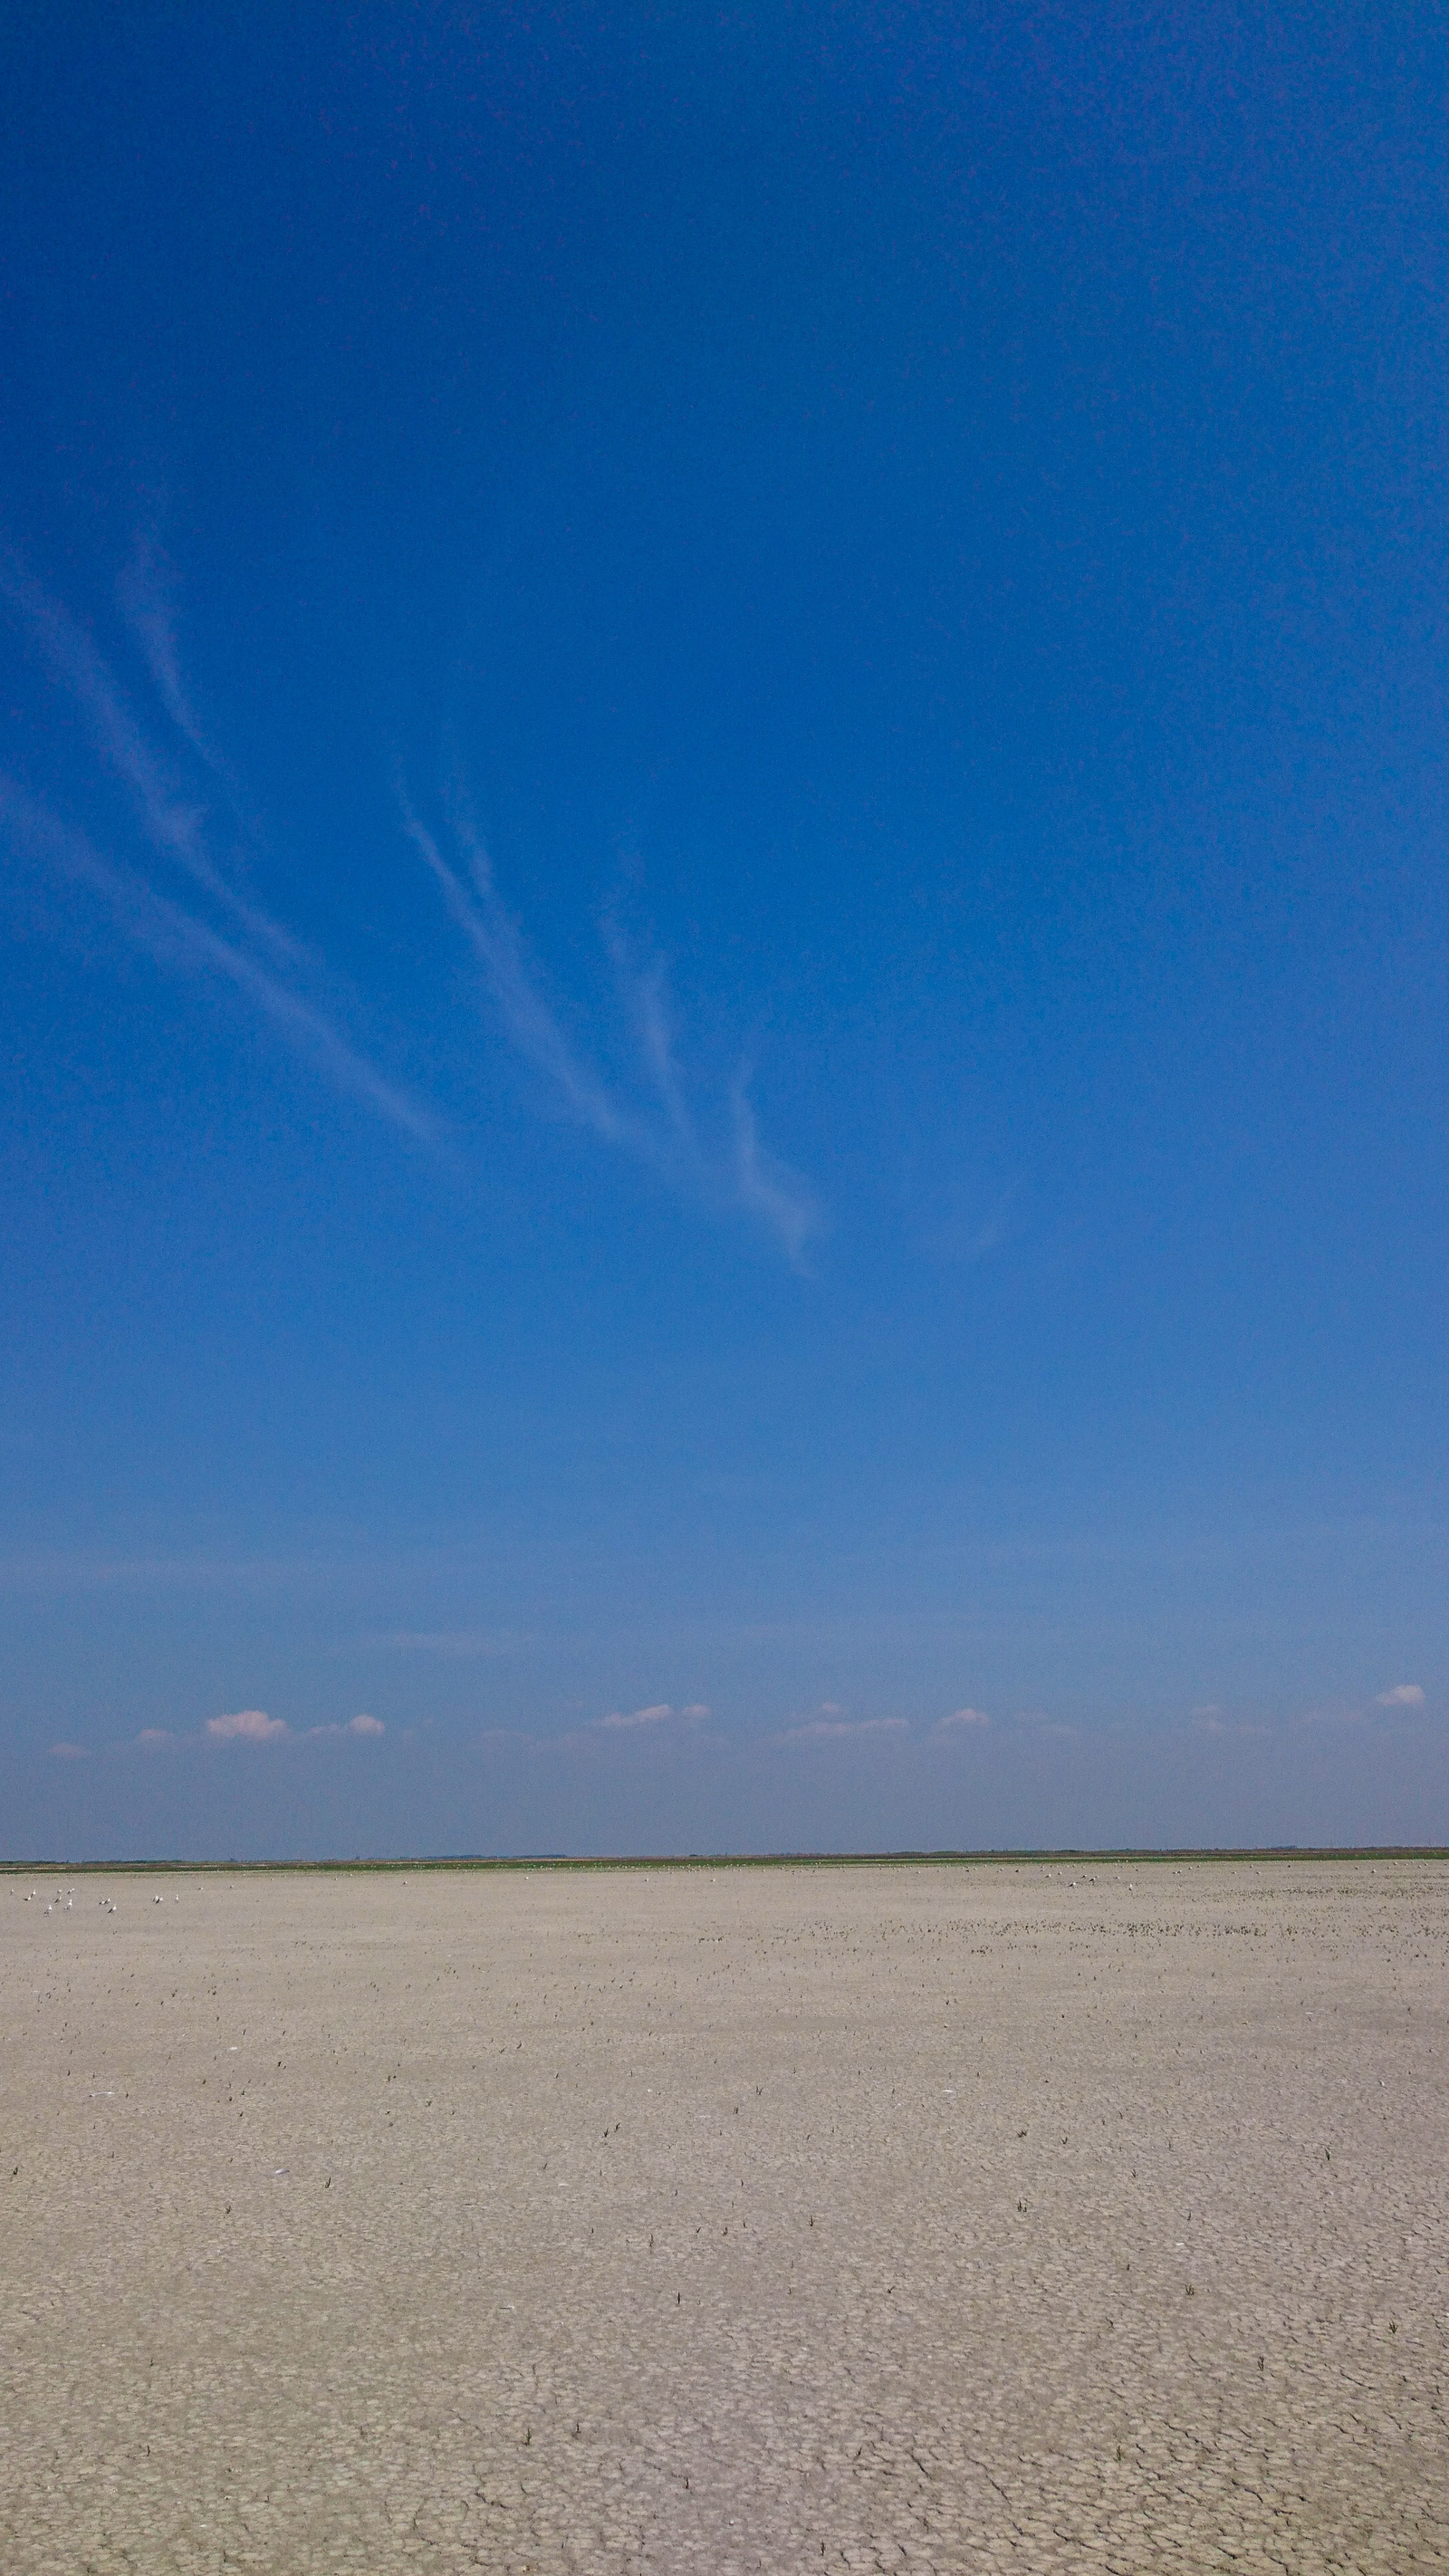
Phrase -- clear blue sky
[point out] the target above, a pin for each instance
(722, 821)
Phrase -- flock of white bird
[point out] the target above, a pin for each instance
(63, 1901)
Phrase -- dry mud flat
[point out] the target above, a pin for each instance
(935, 2218)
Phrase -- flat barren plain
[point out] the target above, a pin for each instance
(953, 2217)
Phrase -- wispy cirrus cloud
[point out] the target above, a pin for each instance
(653, 1119)
(189, 907)
(766, 1186)
(497, 943)
(963, 1721)
(149, 592)
(183, 893)
(175, 938)
(173, 823)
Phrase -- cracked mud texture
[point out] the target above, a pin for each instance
(927, 2217)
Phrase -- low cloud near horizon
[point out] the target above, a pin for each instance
(657, 1714)
(248, 1726)
(254, 1726)
(838, 1730)
(824, 1727)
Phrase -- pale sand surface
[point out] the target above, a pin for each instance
(927, 2217)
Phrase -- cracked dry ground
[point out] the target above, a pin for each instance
(926, 2217)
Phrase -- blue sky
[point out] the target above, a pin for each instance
(722, 806)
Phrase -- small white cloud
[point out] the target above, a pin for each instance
(697, 1711)
(1403, 1695)
(248, 1726)
(365, 1726)
(838, 1730)
(655, 1715)
(961, 1719)
(152, 1737)
(70, 1752)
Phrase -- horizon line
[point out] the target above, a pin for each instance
(1142, 1855)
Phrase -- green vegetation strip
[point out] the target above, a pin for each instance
(561, 1861)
